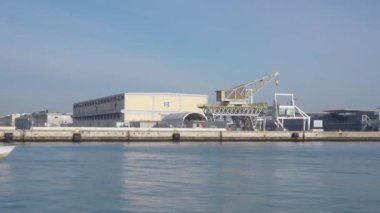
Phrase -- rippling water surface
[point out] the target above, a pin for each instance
(191, 177)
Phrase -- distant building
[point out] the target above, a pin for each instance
(24, 122)
(347, 120)
(9, 120)
(335, 120)
(51, 119)
(134, 109)
(44, 118)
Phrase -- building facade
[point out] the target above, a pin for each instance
(9, 120)
(51, 119)
(133, 109)
(44, 118)
(349, 120)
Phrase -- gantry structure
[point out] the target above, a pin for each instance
(237, 105)
(247, 117)
(288, 111)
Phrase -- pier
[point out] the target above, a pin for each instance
(93, 134)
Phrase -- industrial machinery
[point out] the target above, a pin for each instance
(243, 94)
(287, 110)
(371, 123)
(237, 106)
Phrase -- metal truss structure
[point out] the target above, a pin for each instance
(243, 94)
(289, 112)
(368, 123)
(236, 105)
(246, 117)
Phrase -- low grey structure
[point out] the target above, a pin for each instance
(348, 120)
(184, 120)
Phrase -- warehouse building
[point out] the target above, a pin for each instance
(134, 109)
(349, 120)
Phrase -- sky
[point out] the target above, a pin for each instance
(57, 52)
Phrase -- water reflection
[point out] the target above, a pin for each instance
(160, 180)
(191, 177)
(220, 177)
(5, 178)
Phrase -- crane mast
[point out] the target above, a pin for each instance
(236, 105)
(243, 94)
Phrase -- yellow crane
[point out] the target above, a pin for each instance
(243, 94)
(236, 105)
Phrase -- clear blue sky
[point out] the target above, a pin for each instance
(54, 53)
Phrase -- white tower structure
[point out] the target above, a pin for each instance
(288, 111)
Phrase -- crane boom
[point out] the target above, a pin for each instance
(242, 93)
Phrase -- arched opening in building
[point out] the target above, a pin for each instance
(184, 120)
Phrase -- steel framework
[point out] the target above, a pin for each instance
(247, 117)
(243, 94)
(236, 105)
(372, 124)
(289, 112)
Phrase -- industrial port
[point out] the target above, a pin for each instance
(189, 117)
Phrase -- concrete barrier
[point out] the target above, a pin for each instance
(51, 134)
(260, 136)
(342, 136)
(200, 135)
(8, 137)
(45, 136)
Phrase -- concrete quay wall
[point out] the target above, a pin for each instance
(72, 134)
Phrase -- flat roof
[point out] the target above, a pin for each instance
(163, 93)
(140, 93)
(348, 110)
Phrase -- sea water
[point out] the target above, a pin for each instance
(191, 177)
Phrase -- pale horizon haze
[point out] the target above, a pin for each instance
(55, 53)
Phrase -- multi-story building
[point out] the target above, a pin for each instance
(134, 109)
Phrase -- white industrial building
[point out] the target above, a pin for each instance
(134, 109)
(45, 118)
(52, 119)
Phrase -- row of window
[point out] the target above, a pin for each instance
(100, 117)
(100, 101)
